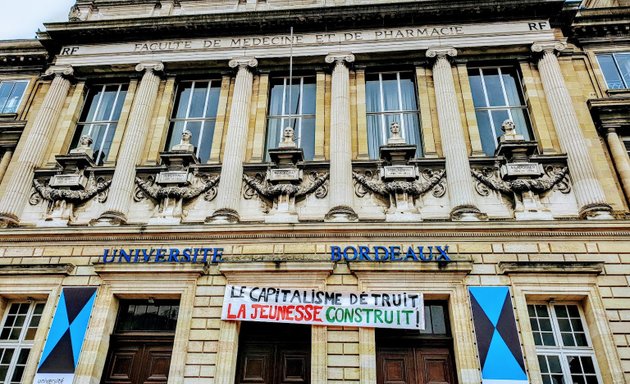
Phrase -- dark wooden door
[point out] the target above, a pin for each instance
(412, 365)
(138, 359)
(278, 354)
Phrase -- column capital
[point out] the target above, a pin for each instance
(441, 52)
(549, 46)
(243, 62)
(339, 57)
(59, 70)
(155, 66)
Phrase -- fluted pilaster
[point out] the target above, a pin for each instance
(620, 158)
(340, 195)
(459, 181)
(588, 191)
(123, 181)
(18, 184)
(4, 162)
(229, 194)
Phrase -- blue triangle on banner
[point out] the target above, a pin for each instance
(491, 300)
(500, 363)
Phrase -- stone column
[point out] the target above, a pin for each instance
(4, 162)
(341, 190)
(620, 158)
(229, 193)
(18, 184)
(123, 181)
(458, 175)
(588, 191)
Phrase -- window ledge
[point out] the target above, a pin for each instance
(618, 92)
(569, 267)
(36, 269)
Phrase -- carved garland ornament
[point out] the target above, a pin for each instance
(148, 188)
(555, 177)
(431, 180)
(45, 192)
(258, 186)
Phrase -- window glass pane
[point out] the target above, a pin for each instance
(408, 92)
(521, 121)
(411, 131)
(5, 91)
(198, 101)
(375, 135)
(438, 320)
(512, 86)
(493, 87)
(623, 61)
(309, 98)
(274, 132)
(177, 127)
(307, 138)
(184, 90)
(213, 101)
(372, 95)
(15, 97)
(160, 315)
(391, 101)
(276, 98)
(476, 86)
(486, 132)
(204, 145)
(610, 71)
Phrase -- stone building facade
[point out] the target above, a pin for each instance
(469, 151)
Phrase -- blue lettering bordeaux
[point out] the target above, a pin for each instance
(163, 255)
(436, 253)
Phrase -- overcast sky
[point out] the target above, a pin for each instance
(20, 19)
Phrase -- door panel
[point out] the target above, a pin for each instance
(293, 367)
(395, 367)
(257, 364)
(138, 361)
(409, 365)
(435, 366)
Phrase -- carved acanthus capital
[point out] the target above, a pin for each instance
(441, 52)
(549, 46)
(243, 62)
(154, 66)
(339, 58)
(59, 70)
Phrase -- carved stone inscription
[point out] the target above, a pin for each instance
(399, 171)
(173, 177)
(521, 169)
(284, 174)
(58, 181)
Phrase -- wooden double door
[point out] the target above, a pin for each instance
(138, 359)
(414, 365)
(274, 354)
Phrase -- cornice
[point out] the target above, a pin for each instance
(308, 19)
(598, 25)
(484, 231)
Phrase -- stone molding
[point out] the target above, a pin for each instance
(243, 62)
(340, 58)
(549, 46)
(564, 267)
(456, 266)
(36, 269)
(155, 66)
(441, 52)
(175, 271)
(59, 70)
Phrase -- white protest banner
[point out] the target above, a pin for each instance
(403, 310)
